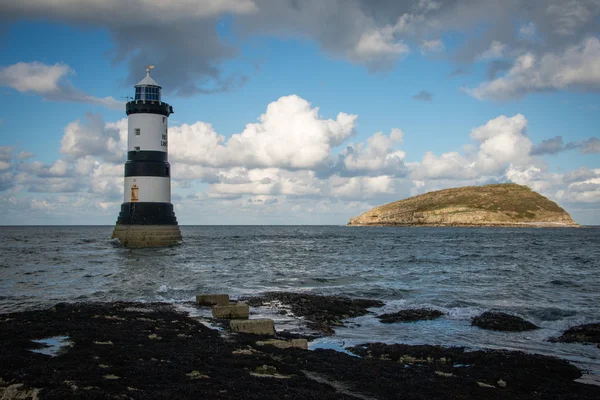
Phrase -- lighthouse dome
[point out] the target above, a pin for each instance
(147, 89)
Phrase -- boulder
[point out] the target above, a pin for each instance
(410, 315)
(587, 333)
(285, 344)
(232, 310)
(255, 326)
(499, 321)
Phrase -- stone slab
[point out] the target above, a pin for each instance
(212, 299)
(256, 326)
(285, 344)
(232, 310)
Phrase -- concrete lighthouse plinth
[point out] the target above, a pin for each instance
(147, 218)
(138, 236)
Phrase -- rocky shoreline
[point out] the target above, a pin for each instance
(153, 351)
(473, 225)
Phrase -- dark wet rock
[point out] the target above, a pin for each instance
(191, 361)
(588, 333)
(510, 372)
(321, 312)
(410, 315)
(499, 321)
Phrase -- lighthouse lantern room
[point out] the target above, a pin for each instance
(147, 218)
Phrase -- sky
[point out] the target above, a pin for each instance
(298, 111)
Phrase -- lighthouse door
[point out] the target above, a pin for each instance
(134, 193)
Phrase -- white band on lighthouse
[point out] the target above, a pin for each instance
(147, 189)
(147, 132)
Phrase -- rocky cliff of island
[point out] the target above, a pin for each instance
(491, 205)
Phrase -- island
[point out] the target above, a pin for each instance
(504, 205)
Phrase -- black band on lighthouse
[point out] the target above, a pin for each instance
(147, 168)
(146, 155)
(148, 107)
(147, 214)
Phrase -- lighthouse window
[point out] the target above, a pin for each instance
(151, 93)
(138, 93)
(137, 131)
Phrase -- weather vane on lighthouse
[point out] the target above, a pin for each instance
(147, 218)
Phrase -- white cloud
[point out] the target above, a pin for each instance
(497, 50)
(24, 155)
(576, 69)
(432, 46)
(6, 153)
(379, 155)
(290, 134)
(587, 191)
(95, 138)
(49, 81)
(378, 46)
(502, 142)
(360, 187)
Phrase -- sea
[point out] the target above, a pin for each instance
(550, 277)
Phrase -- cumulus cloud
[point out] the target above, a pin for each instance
(574, 69)
(290, 134)
(49, 81)
(423, 95)
(95, 138)
(380, 155)
(501, 142)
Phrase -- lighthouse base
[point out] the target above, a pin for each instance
(139, 236)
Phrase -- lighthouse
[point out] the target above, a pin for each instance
(147, 218)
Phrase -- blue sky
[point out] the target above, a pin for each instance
(525, 108)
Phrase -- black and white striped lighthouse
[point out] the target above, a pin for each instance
(147, 218)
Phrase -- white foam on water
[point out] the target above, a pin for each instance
(461, 313)
(162, 289)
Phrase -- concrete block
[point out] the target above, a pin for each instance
(285, 344)
(232, 310)
(212, 299)
(255, 326)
